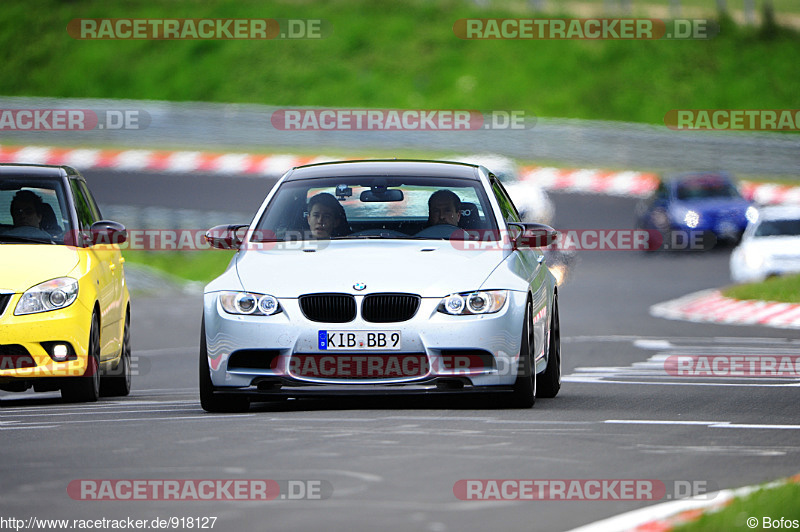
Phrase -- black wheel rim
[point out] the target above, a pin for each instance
(126, 352)
(557, 341)
(94, 363)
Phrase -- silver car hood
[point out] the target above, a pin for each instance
(428, 268)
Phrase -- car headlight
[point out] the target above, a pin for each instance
(466, 303)
(49, 295)
(753, 261)
(691, 219)
(249, 303)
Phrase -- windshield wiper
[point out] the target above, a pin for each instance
(378, 236)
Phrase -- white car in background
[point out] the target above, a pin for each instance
(531, 200)
(770, 245)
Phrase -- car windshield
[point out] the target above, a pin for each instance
(778, 228)
(375, 207)
(705, 188)
(33, 211)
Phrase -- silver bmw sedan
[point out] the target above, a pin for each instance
(382, 277)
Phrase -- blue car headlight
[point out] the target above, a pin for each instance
(248, 303)
(49, 295)
(691, 219)
(468, 303)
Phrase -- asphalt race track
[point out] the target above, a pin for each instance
(391, 465)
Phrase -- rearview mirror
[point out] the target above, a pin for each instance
(381, 194)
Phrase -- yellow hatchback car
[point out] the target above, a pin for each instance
(64, 303)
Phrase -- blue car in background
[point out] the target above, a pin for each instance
(694, 210)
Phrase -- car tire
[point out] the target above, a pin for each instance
(210, 401)
(118, 384)
(524, 392)
(86, 388)
(548, 383)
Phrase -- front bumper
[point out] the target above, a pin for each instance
(23, 340)
(270, 355)
(725, 228)
(770, 265)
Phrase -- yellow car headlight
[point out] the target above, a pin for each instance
(49, 295)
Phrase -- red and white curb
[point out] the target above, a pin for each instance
(160, 161)
(587, 181)
(641, 184)
(666, 516)
(592, 181)
(768, 193)
(711, 306)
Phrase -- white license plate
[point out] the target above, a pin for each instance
(368, 340)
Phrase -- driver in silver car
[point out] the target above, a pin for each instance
(326, 217)
(444, 207)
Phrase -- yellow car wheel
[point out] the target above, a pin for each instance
(86, 389)
(117, 382)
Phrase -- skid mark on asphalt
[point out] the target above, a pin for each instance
(707, 424)
(716, 450)
(46, 416)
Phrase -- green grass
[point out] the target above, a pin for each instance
(781, 7)
(201, 265)
(393, 55)
(784, 289)
(771, 502)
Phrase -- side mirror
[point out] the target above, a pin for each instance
(225, 236)
(107, 232)
(533, 235)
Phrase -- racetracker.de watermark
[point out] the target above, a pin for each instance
(584, 28)
(733, 119)
(25, 365)
(197, 28)
(400, 120)
(198, 489)
(787, 366)
(580, 489)
(582, 240)
(469, 240)
(73, 119)
(383, 366)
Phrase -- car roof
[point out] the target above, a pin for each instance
(689, 176)
(385, 167)
(505, 168)
(779, 212)
(35, 170)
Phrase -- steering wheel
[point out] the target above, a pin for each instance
(442, 231)
(24, 231)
